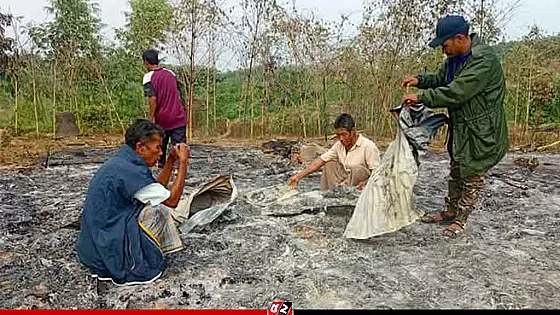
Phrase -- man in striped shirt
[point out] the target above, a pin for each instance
(162, 87)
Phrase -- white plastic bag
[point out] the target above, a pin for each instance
(386, 203)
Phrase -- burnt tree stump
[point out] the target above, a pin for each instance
(66, 125)
(279, 147)
(5, 138)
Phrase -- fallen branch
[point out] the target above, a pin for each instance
(505, 181)
(548, 146)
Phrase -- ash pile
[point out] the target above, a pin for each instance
(265, 248)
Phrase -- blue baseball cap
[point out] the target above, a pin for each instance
(448, 27)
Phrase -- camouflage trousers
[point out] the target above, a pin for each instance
(462, 194)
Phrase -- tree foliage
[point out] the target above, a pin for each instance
(296, 72)
(147, 25)
(6, 43)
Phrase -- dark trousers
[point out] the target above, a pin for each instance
(177, 135)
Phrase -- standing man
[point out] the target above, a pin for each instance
(166, 108)
(470, 84)
(349, 161)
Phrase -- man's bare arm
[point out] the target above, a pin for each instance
(153, 105)
(314, 167)
(165, 174)
(177, 187)
(179, 183)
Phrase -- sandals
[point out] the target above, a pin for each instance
(439, 217)
(455, 229)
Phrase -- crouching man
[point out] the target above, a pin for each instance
(126, 222)
(348, 162)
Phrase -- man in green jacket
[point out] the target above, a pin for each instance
(471, 85)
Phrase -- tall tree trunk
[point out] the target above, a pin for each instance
(16, 104)
(482, 19)
(324, 106)
(249, 87)
(529, 97)
(252, 112)
(282, 123)
(78, 116)
(303, 120)
(192, 72)
(54, 100)
(264, 103)
(516, 113)
(251, 61)
(35, 108)
(318, 107)
(102, 79)
(207, 100)
(214, 83)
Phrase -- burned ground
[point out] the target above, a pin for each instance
(247, 257)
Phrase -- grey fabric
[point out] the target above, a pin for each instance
(206, 203)
(279, 201)
(420, 125)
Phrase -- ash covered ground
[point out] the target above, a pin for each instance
(248, 257)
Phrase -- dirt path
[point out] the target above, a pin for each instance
(509, 259)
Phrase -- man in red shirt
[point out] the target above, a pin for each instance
(166, 109)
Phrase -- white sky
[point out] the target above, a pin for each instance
(544, 13)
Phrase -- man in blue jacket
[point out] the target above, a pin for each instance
(126, 222)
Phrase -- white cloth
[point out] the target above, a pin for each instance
(154, 194)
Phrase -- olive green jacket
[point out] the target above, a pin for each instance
(474, 100)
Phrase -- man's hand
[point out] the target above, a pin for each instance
(409, 99)
(174, 154)
(410, 81)
(362, 185)
(294, 180)
(315, 165)
(183, 152)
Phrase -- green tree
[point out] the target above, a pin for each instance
(71, 46)
(74, 31)
(6, 43)
(147, 25)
